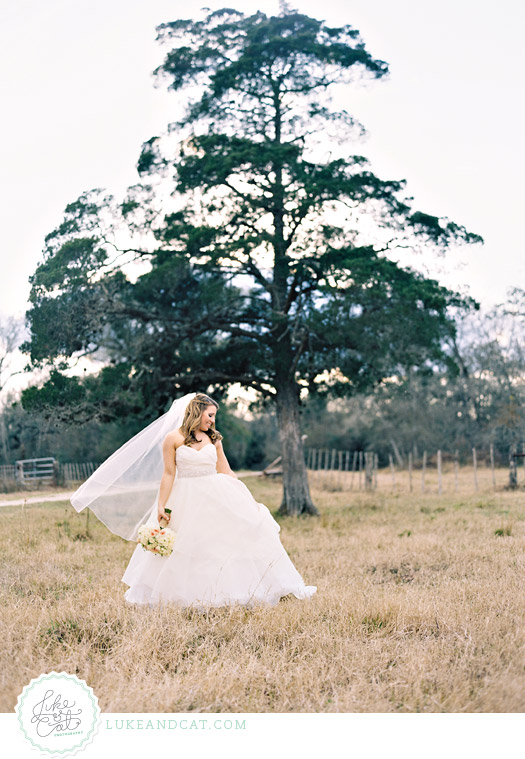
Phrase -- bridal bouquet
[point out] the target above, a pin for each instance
(159, 541)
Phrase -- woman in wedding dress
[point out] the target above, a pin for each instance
(227, 548)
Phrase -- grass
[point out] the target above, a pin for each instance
(419, 608)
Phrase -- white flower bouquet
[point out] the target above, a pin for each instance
(157, 540)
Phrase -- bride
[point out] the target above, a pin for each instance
(227, 547)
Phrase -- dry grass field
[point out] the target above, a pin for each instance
(419, 608)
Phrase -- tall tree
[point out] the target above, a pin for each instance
(11, 329)
(277, 267)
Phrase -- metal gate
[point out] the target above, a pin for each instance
(40, 470)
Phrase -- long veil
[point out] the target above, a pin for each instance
(125, 488)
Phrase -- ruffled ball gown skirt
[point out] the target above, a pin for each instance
(227, 548)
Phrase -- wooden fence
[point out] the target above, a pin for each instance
(77, 472)
(329, 469)
(7, 472)
(45, 471)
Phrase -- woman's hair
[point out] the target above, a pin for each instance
(192, 419)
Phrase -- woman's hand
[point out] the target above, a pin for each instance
(161, 514)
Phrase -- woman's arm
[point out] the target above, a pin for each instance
(222, 462)
(166, 482)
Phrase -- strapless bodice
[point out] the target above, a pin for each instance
(196, 462)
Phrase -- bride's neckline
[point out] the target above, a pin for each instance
(183, 445)
(196, 449)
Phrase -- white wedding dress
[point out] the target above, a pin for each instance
(227, 548)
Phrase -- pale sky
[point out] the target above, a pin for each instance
(78, 101)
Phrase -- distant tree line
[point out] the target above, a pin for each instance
(479, 404)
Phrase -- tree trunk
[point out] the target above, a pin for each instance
(513, 468)
(4, 438)
(296, 492)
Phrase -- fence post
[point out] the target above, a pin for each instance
(332, 468)
(369, 463)
(492, 466)
(513, 471)
(439, 471)
(475, 462)
(392, 471)
(340, 469)
(410, 471)
(314, 466)
(354, 465)
(326, 466)
(423, 468)
(347, 467)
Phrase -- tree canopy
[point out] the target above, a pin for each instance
(272, 260)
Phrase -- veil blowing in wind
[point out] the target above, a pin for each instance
(226, 547)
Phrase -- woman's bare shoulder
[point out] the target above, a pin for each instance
(174, 438)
